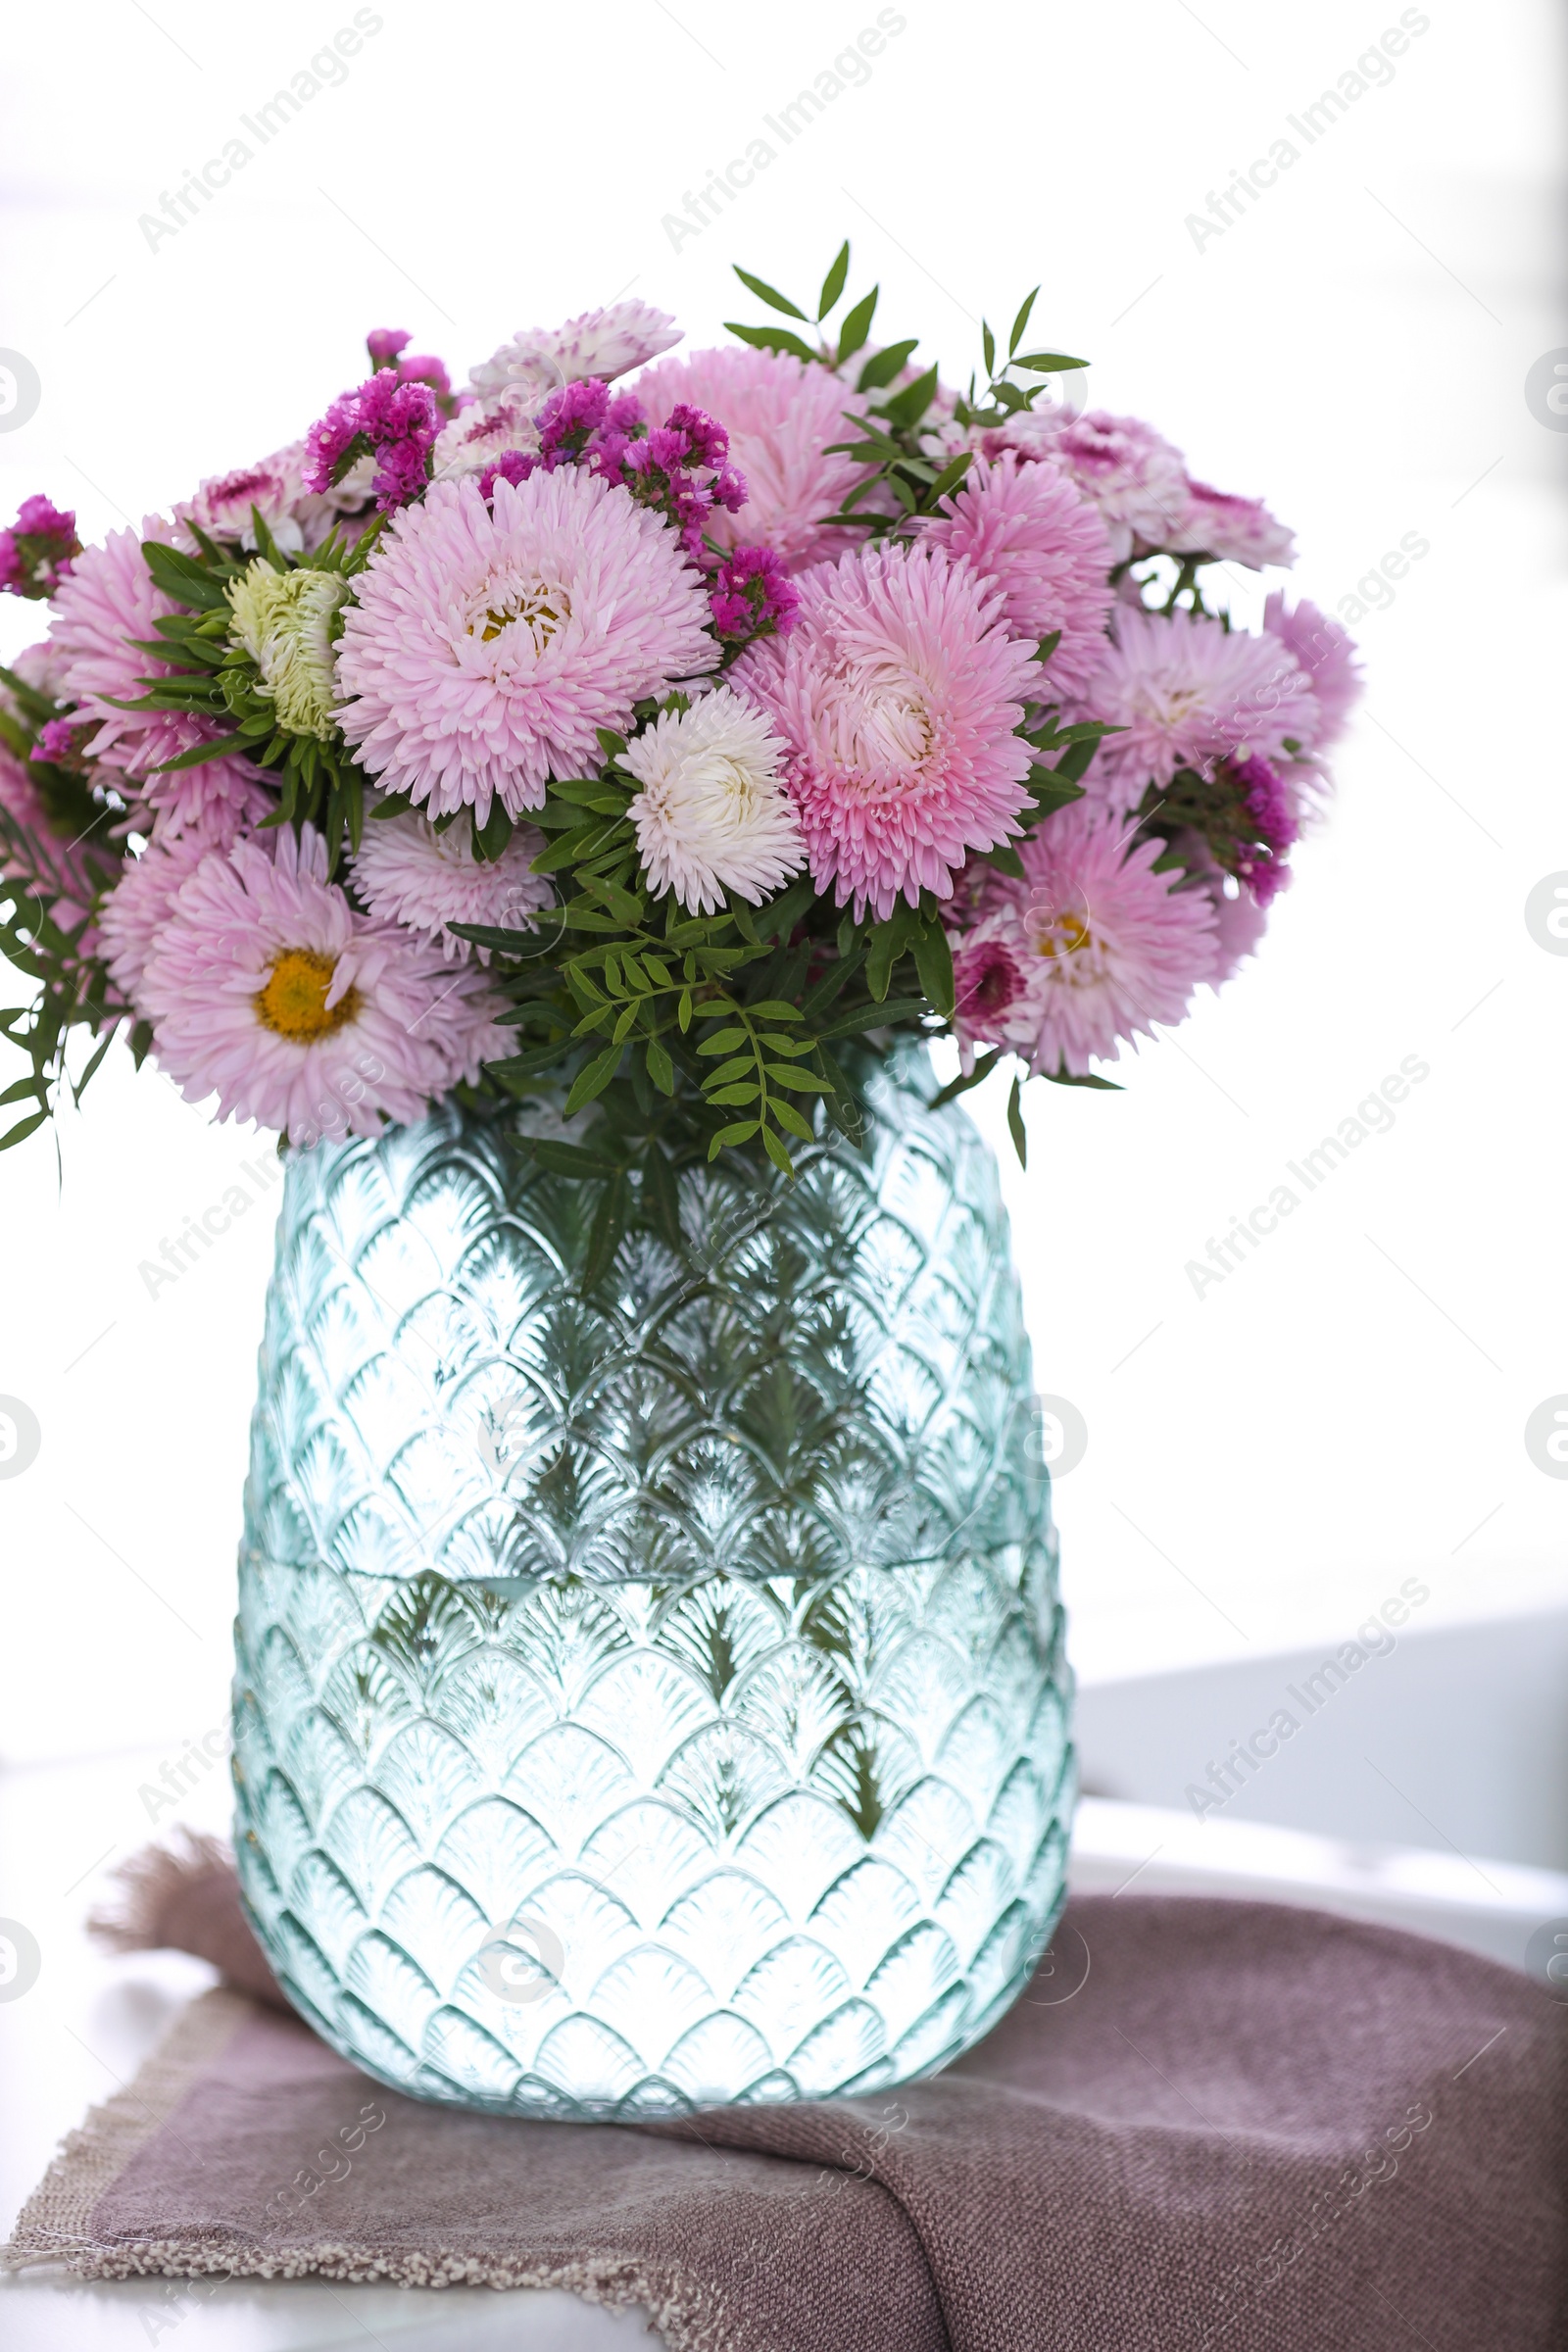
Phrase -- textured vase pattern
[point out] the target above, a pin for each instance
(649, 1685)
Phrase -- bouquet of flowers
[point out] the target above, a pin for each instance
(646, 742)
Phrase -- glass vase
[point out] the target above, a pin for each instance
(650, 1688)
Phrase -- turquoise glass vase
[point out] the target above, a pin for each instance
(650, 1687)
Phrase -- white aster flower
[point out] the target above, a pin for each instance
(713, 813)
(409, 873)
(603, 343)
(284, 622)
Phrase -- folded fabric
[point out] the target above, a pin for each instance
(1206, 2124)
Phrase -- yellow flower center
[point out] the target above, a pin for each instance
(541, 611)
(1065, 937)
(294, 1003)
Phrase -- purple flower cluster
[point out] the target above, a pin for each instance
(681, 467)
(37, 551)
(395, 421)
(1274, 826)
(386, 344)
(57, 741)
(753, 596)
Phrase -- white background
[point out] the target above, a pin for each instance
(1266, 1464)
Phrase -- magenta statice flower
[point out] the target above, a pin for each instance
(488, 642)
(395, 422)
(1237, 530)
(101, 616)
(266, 989)
(1186, 692)
(1107, 947)
(781, 417)
(37, 551)
(899, 693)
(1326, 656)
(753, 596)
(1032, 533)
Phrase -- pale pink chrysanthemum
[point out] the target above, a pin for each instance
(899, 691)
(1029, 531)
(479, 435)
(1236, 530)
(266, 988)
(1186, 692)
(1090, 949)
(1131, 472)
(274, 487)
(781, 417)
(107, 602)
(486, 645)
(603, 343)
(136, 910)
(712, 814)
(1327, 657)
(407, 873)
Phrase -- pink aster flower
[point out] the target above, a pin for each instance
(488, 644)
(1030, 533)
(266, 988)
(1326, 654)
(487, 435)
(899, 693)
(136, 910)
(1238, 530)
(105, 605)
(407, 873)
(781, 416)
(1187, 692)
(1132, 473)
(274, 486)
(1104, 947)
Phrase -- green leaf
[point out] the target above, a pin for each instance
(1020, 323)
(609, 743)
(975, 1077)
(933, 960)
(797, 1082)
(1047, 362)
(593, 1079)
(1006, 860)
(743, 1092)
(772, 1009)
(874, 1016)
(1048, 645)
(660, 1069)
(772, 338)
(492, 837)
(739, 1065)
(885, 366)
(606, 1232)
(661, 1196)
(1105, 1085)
(1051, 790)
(1015, 1125)
(741, 1132)
(789, 1119)
(856, 327)
(950, 476)
(777, 1152)
(988, 344)
(725, 1043)
(392, 805)
(774, 300)
(182, 578)
(570, 1159)
(833, 284)
(907, 408)
(22, 1130)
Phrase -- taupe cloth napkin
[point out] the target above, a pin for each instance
(1207, 2124)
